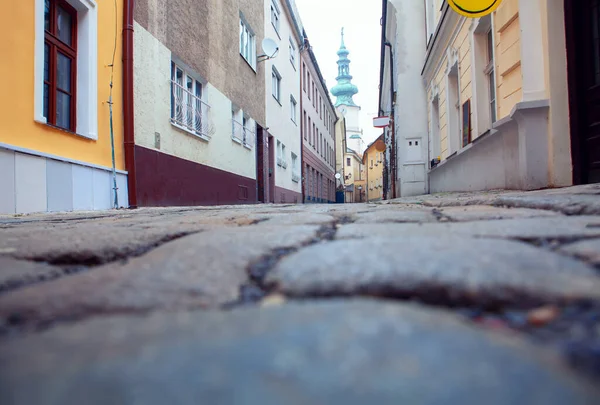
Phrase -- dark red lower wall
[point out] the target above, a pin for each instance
(283, 195)
(165, 180)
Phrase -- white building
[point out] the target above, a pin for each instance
(402, 97)
(283, 100)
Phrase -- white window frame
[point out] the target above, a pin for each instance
(247, 42)
(86, 109)
(293, 109)
(192, 105)
(292, 53)
(483, 68)
(275, 16)
(490, 72)
(276, 84)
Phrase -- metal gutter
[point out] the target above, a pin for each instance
(128, 103)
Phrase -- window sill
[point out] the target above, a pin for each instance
(278, 102)
(236, 140)
(248, 63)
(91, 137)
(203, 137)
(247, 146)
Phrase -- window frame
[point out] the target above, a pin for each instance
(199, 108)
(55, 47)
(275, 16)
(490, 72)
(293, 109)
(276, 84)
(292, 49)
(249, 46)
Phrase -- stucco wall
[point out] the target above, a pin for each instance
(508, 56)
(152, 91)
(279, 117)
(205, 35)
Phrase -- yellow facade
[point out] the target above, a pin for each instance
(17, 125)
(507, 56)
(373, 161)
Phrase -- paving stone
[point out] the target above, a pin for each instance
(525, 228)
(88, 243)
(357, 352)
(202, 270)
(588, 250)
(444, 271)
(484, 212)
(386, 216)
(570, 204)
(15, 273)
(303, 218)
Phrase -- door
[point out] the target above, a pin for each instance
(583, 50)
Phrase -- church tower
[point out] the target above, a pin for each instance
(344, 91)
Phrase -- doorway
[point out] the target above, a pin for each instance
(582, 26)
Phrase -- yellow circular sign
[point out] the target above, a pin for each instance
(474, 8)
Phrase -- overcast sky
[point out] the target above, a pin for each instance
(323, 20)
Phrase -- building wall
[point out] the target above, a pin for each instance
(531, 145)
(279, 115)
(318, 145)
(507, 33)
(17, 125)
(404, 30)
(153, 128)
(374, 177)
(213, 28)
(203, 38)
(31, 149)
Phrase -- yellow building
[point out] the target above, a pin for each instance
(55, 132)
(373, 160)
(506, 97)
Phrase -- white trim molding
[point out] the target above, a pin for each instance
(87, 66)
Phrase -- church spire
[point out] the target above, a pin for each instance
(344, 90)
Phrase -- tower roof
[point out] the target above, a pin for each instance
(344, 90)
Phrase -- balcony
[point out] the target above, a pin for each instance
(243, 135)
(190, 113)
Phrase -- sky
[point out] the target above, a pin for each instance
(323, 21)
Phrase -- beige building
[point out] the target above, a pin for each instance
(355, 176)
(502, 110)
(373, 160)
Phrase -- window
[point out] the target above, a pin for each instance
(60, 55)
(283, 157)
(308, 81)
(276, 84)
(305, 128)
(295, 174)
(275, 16)
(292, 53)
(314, 130)
(304, 76)
(293, 108)
(188, 111)
(279, 155)
(309, 130)
(348, 162)
(489, 71)
(247, 43)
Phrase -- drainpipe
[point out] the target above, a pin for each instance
(128, 107)
(393, 157)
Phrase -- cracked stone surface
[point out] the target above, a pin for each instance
(525, 228)
(457, 271)
(16, 273)
(588, 250)
(310, 304)
(318, 353)
(198, 271)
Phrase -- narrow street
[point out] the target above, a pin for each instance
(489, 297)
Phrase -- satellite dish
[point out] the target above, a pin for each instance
(338, 176)
(270, 49)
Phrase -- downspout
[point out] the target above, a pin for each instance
(128, 106)
(393, 154)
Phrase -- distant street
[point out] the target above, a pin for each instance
(421, 299)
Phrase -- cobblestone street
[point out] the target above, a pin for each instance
(473, 298)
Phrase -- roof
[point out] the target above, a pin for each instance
(379, 139)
